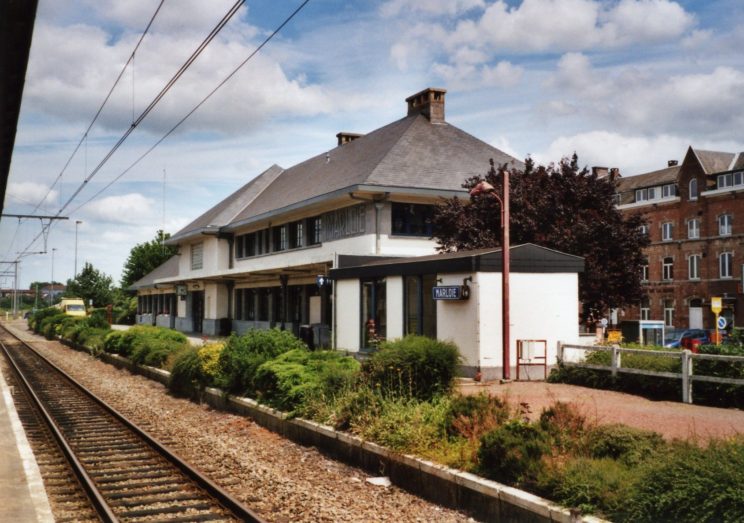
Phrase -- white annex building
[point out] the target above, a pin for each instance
(327, 249)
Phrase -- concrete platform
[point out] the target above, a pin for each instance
(22, 495)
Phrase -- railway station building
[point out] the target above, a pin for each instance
(338, 249)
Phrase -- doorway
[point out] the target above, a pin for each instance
(197, 310)
(696, 314)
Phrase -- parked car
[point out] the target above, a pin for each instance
(683, 338)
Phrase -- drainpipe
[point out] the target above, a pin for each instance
(378, 201)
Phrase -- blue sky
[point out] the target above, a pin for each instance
(624, 83)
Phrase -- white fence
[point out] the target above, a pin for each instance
(686, 357)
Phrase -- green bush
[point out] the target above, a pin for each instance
(34, 321)
(48, 326)
(291, 378)
(153, 351)
(593, 485)
(92, 338)
(209, 356)
(565, 425)
(139, 338)
(186, 378)
(513, 453)
(113, 342)
(473, 416)
(720, 394)
(690, 484)
(414, 366)
(242, 356)
(629, 445)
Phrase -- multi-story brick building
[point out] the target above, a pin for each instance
(695, 213)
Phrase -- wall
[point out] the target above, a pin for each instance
(457, 321)
(348, 314)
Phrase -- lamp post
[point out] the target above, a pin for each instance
(77, 222)
(51, 289)
(486, 188)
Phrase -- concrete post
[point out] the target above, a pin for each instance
(686, 376)
(616, 360)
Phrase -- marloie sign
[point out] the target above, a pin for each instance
(451, 292)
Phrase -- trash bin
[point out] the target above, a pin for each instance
(306, 335)
(321, 335)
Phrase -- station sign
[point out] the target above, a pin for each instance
(451, 292)
(716, 305)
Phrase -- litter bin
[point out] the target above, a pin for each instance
(306, 335)
(321, 335)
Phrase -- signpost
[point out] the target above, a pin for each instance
(450, 292)
(716, 306)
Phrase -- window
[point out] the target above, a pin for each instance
(726, 264)
(374, 312)
(410, 219)
(667, 191)
(296, 234)
(693, 189)
(641, 195)
(666, 231)
(645, 309)
(693, 229)
(314, 230)
(739, 178)
(420, 308)
(197, 256)
(667, 268)
(723, 181)
(693, 267)
(281, 238)
(643, 229)
(644, 270)
(725, 222)
(669, 313)
(653, 193)
(245, 304)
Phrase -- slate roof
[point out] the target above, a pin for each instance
(527, 257)
(660, 177)
(167, 269)
(409, 154)
(714, 161)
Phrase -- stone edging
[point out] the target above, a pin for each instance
(485, 499)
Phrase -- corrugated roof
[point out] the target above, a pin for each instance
(167, 269)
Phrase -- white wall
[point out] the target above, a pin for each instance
(394, 292)
(348, 314)
(457, 321)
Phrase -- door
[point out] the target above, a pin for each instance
(197, 310)
(696, 318)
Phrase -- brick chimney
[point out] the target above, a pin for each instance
(672, 163)
(344, 137)
(429, 102)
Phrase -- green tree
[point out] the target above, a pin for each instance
(91, 284)
(144, 257)
(560, 207)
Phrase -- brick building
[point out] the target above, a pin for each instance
(695, 214)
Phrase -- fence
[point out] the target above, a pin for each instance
(687, 358)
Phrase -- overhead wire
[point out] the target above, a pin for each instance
(195, 108)
(213, 33)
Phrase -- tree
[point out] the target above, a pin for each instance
(144, 257)
(562, 208)
(91, 284)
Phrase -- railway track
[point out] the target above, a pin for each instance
(124, 474)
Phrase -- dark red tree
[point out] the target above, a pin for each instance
(560, 207)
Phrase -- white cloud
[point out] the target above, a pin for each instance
(31, 193)
(466, 77)
(430, 7)
(130, 208)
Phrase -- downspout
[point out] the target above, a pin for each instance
(378, 201)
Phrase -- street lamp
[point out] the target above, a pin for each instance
(486, 188)
(77, 222)
(51, 290)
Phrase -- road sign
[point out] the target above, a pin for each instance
(721, 323)
(715, 305)
(603, 322)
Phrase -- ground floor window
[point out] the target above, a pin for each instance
(420, 307)
(645, 309)
(245, 304)
(669, 313)
(374, 312)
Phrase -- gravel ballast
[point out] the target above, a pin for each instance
(280, 480)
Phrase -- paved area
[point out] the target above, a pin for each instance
(22, 495)
(671, 419)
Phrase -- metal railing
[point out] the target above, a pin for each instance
(686, 358)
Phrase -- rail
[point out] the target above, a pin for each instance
(686, 358)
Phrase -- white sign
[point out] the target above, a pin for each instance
(603, 322)
(721, 323)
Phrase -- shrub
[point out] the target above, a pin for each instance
(593, 485)
(48, 325)
(414, 366)
(720, 394)
(565, 425)
(689, 483)
(629, 445)
(209, 359)
(473, 416)
(513, 453)
(34, 321)
(113, 342)
(288, 380)
(242, 355)
(187, 378)
(93, 338)
(139, 338)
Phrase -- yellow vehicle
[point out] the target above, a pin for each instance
(73, 306)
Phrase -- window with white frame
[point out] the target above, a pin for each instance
(669, 313)
(693, 189)
(668, 190)
(645, 309)
(725, 224)
(666, 231)
(643, 229)
(726, 264)
(730, 180)
(197, 256)
(693, 266)
(693, 229)
(667, 268)
(644, 270)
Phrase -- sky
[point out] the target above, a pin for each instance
(622, 83)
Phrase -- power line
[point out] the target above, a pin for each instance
(194, 109)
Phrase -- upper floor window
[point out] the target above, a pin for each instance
(197, 256)
(644, 270)
(725, 264)
(645, 309)
(693, 229)
(643, 229)
(315, 230)
(667, 268)
(693, 267)
(281, 238)
(693, 189)
(668, 190)
(655, 193)
(666, 231)
(725, 225)
(297, 234)
(411, 219)
(729, 180)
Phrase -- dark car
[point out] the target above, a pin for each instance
(674, 338)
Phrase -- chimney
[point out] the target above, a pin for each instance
(672, 163)
(429, 102)
(600, 172)
(344, 138)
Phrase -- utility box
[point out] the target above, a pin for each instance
(645, 332)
